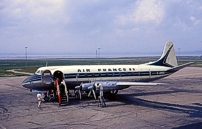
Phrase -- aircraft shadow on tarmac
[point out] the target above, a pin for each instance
(192, 111)
(191, 126)
(129, 99)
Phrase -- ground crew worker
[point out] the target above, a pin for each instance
(101, 97)
(52, 95)
(39, 97)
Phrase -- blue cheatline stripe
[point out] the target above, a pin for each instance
(36, 77)
(114, 74)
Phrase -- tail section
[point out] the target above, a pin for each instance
(168, 58)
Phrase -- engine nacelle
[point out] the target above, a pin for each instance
(87, 86)
(110, 85)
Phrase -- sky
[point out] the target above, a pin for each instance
(124, 27)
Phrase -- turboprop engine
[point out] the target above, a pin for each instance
(85, 87)
(108, 86)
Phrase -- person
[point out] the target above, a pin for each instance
(101, 100)
(39, 97)
(52, 95)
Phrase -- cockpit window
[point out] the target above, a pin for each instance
(39, 72)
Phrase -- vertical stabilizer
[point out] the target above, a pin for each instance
(168, 58)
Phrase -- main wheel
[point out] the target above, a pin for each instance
(46, 99)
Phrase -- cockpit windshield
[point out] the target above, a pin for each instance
(39, 72)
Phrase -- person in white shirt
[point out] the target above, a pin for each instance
(39, 97)
(101, 97)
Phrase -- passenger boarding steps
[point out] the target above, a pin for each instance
(62, 93)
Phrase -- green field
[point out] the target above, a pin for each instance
(34, 64)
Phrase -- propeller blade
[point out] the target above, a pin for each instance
(80, 95)
(94, 94)
(89, 93)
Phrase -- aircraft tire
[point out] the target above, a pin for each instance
(46, 99)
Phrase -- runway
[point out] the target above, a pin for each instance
(178, 104)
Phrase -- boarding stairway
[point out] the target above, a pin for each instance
(62, 92)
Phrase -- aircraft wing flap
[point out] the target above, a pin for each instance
(138, 84)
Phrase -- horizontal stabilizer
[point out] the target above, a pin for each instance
(180, 67)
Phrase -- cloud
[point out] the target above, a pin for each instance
(83, 26)
(149, 11)
(36, 9)
(143, 12)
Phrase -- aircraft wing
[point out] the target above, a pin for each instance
(137, 84)
(113, 85)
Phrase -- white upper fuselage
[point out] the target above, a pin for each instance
(85, 73)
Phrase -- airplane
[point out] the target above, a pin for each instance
(84, 78)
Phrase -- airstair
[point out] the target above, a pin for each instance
(62, 92)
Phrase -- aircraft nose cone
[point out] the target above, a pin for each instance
(31, 82)
(27, 82)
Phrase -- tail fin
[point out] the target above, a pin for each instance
(168, 58)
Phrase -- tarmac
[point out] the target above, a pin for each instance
(178, 105)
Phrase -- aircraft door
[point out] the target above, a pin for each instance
(47, 77)
(59, 75)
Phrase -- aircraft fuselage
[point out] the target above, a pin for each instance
(77, 74)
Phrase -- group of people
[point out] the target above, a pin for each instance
(40, 96)
(101, 100)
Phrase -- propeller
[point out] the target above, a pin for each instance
(92, 89)
(78, 91)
